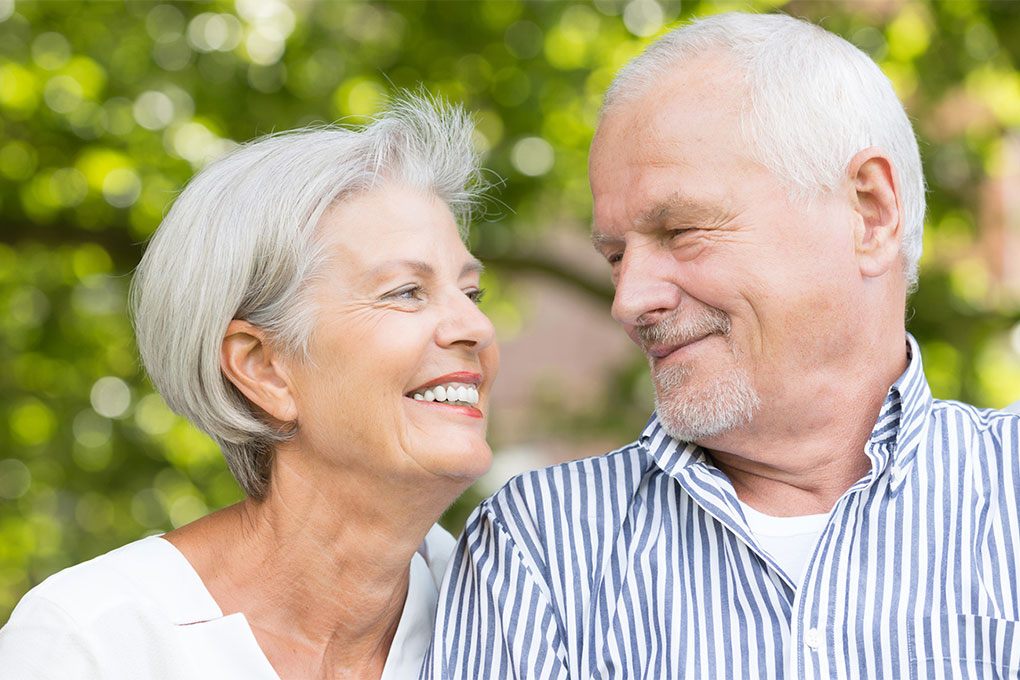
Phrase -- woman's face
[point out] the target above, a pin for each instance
(401, 359)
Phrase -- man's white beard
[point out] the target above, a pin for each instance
(719, 404)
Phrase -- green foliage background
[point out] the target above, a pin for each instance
(107, 108)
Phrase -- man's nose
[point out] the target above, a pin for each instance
(645, 287)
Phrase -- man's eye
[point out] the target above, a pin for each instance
(476, 295)
(614, 258)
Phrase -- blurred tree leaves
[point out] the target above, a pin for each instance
(107, 108)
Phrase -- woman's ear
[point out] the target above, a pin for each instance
(879, 212)
(254, 367)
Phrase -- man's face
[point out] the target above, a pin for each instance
(738, 296)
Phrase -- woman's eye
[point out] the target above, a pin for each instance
(411, 292)
(476, 295)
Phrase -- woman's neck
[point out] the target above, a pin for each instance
(319, 567)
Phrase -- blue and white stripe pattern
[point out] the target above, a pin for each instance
(639, 564)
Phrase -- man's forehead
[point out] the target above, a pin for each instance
(712, 76)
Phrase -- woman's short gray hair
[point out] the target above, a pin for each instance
(239, 243)
(815, 100)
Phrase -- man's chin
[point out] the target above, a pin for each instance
(695, 415)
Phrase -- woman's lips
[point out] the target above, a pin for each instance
(460, 388)
(464, 377)
(470, 411)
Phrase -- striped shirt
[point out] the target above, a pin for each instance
(640, 564)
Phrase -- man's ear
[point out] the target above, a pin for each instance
(252, 365)
(878, 208)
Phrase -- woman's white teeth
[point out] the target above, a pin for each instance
(459, 394)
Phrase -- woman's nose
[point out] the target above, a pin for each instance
(467, 326)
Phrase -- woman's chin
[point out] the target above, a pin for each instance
(464, 463)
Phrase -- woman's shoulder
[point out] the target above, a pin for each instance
(104, 616)
(147, 575)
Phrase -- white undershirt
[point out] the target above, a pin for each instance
(789, 540)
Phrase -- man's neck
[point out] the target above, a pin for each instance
(800, 461)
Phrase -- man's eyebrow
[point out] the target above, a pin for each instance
(677, 208)
(599, 239)
(682, 207)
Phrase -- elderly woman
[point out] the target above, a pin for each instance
(309, 303)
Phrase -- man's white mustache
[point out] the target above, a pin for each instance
(672, 330)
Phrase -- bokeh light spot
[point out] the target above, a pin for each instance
(28, 307)
(523, 39)
(152, 415)
(154, 110)
(69, 187)
(164, 23)
(643, 17)
(33, 422)
(110, 397)
(19, 90)
(92, 458)
(91, 429)
(148, 508)
(17, 160)
(15, 478)
(187, 509)
(90, 259)
(532, 156)
(94, 512)
(210, 32)
(121, 187)
(50, 50)
(196, 143)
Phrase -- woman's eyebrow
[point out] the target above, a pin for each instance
(472, 266)
(419, 267)
(389, 267)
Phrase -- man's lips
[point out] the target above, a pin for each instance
(662, 351)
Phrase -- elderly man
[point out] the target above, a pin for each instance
(799, 506)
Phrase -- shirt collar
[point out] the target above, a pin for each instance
(902, 424)
(898, 433)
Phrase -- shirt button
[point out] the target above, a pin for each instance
(812, 638)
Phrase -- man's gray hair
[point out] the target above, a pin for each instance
(239, 243)
(814, 101)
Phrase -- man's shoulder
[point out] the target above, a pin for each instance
(985, 437)
(974, 418)
(569, 497)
